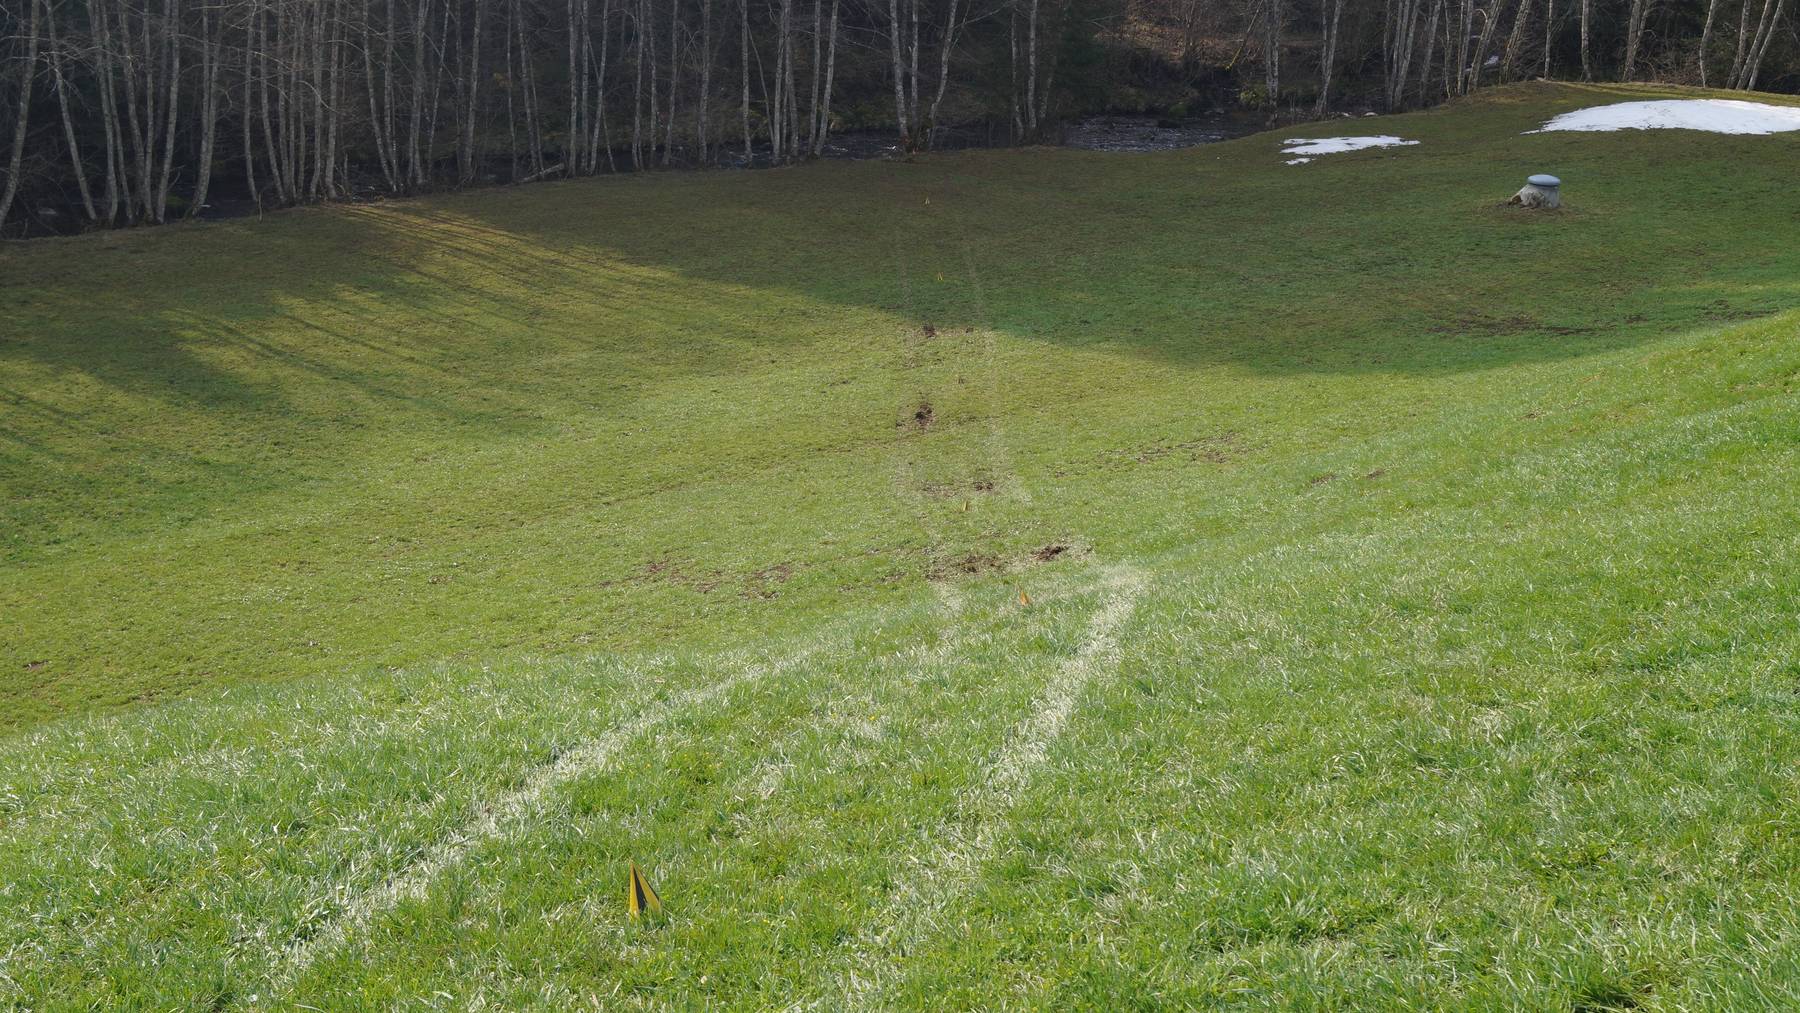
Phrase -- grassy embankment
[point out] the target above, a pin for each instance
(378, 581)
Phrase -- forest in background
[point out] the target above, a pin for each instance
(128, 112)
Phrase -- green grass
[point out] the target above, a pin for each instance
(378, 581)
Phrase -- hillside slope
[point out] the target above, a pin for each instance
(1040, 578)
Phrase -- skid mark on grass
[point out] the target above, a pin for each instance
(930, 882)
(505, 816)
(998, 454)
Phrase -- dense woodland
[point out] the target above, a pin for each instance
(120, 112)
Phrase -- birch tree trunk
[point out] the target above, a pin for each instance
(415, 169)
(706, 62)
(1272, 24)
(467, 147)
(1549, 30)
(600, 137)
(376, 119)
(1515, 41)
(674, 78)
(77, 167)
(1712, 11)
(1634, 34)
(1587, 65)
(900, 74)
(944, 51)
(744, 63)
(1031, 70)
(816, 68)
(1767, 33)
(112, 148)
(1331, 12)
(172, 40)
(21, 113)
(824, 124)
(209, 107)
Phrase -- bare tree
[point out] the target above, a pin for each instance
(22, 112)
(1712, 12)
(78, 168)
(1634, 35)
(1331, 14)
(1587, 16)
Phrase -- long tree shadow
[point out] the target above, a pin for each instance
(1394, 261)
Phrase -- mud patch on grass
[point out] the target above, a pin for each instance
(1330, 476)
(1219, 448)
(948, 490)
(970, 564)
(667, 570)
(921, 418)
(762, 583)
(979, 563)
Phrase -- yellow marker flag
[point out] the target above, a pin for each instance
(965, 506)
(639, 896)
(1024, 599)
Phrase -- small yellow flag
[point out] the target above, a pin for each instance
(1024, 599)
(639, 896)
(965, 506)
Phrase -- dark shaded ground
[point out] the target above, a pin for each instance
(1123, 133)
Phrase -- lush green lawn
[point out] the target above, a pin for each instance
(1416, 623)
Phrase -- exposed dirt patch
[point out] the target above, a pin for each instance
(967, 565)
(946, 490)
(975, 564)
(928, 331)
(922, 417)
(1373, 475)
(33, 666)
(762, 582)
(669, 571)
(1330, 476)
(1220, 448)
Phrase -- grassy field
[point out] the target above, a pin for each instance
(1037, 579)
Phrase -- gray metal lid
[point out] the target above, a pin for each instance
(1542, 179)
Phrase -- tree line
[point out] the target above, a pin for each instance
(120, 112)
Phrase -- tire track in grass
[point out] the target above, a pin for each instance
(991, 465)
(930, 882)
(503, 816)
(998, 452)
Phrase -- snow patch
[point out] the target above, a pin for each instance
(1297, 161)
(1334, 145)
(1713, 115)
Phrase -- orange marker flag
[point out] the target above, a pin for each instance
(1024, 599)
(639, 896)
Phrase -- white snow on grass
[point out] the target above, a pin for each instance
(1714, 115)
(1335, 145)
